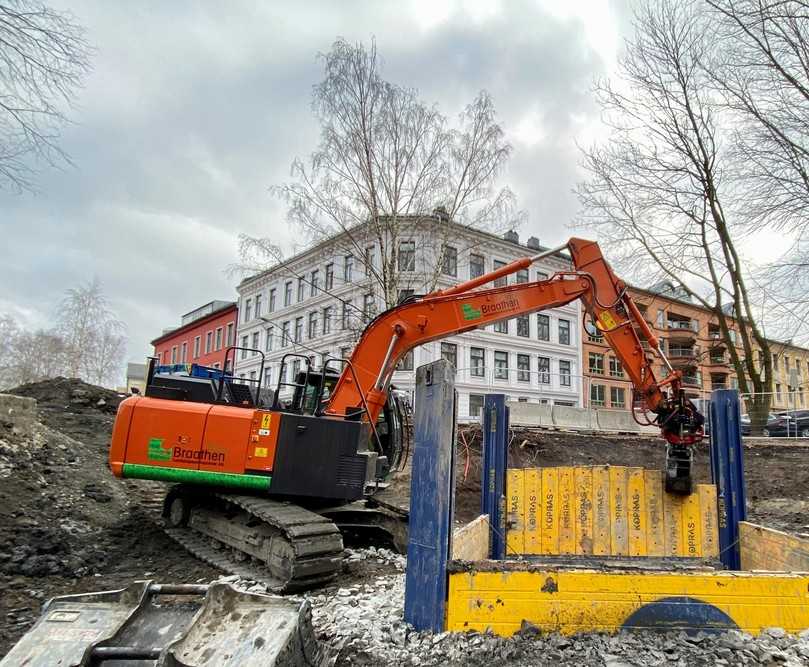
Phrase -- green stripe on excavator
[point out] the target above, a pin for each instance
(254, 482)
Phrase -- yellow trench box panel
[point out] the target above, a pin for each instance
(585, 601)
(607, 511)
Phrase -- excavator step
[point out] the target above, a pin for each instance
(170, 626)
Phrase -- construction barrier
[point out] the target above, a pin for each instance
(616, 420)
(531, 414)
(607, 511)
(565, 416)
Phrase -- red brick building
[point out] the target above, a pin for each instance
(202, 338)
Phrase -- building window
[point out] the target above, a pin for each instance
(298, 329)
(285, 333)
(661, 319)
(184, 353)
(197, 342)
(267, 377)
(524, 367)
(296, 369)
(301, 289)
(345, 353)
(597, 394)
(775, 362)
(406, 364)
(346, 319)
(616, 368)
(327, 320)
(501, 326)
(268, 340)
(543, 327)
(369, 261)
(368, 306)
(564, 373)
(329, 277)
(522, 276)
(617, 397)
(476, 266)
(271, 302)
(314, 280)
(449, 263)
(248, 310)
(230, 335)
(256, 342)
(596, 363)
(407, 256)
(209, 342)
(449, 351)
(500, 365)
(405, 294)
(348, 268)
(477, 361)
(544, 370)
(245, 345)
(541, 275)
(174, 354)
(258, 305)
(503, 280)
(288, 293)
(522, 399)
(312, 329)
(523, 326)
(475, 405)
(219, 335)
(564, 332)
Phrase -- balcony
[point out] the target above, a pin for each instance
(692, 381)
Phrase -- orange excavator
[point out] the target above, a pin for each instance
(254, 473)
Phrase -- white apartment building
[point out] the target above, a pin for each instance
(317, 302)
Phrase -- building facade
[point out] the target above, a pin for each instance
(317, 303)
(202, 338)
(690, 336)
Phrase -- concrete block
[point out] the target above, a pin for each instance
(530, 414)
(616, 420)
(565, 416)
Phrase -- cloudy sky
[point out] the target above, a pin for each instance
(194, 109)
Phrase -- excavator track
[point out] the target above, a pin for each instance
(284, 546)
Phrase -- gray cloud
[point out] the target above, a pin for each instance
(192, 112)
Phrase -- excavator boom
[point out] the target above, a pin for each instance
(362, 386)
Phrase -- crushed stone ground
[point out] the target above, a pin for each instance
(67, 526)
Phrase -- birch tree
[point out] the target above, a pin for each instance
(390, 167)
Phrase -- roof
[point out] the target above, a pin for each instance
(213, 309)
(437, 218)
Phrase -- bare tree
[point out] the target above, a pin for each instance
(92, 334)
(658, 191)
(28, 356)
(385, 161)
(43, 59)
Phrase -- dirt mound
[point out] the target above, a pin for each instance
(71, 395)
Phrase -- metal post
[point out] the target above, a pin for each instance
(495, 461)
(432, 488)
(727, 471)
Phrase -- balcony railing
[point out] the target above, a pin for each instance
(684, 325)
(692, 380)
(682, 352)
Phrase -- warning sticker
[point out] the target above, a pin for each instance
(265, 420)
(607, 320)
(264, 431)
(260, 451)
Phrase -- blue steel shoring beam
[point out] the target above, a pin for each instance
(495, 461)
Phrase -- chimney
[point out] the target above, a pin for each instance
(512, 236)
(533, 242)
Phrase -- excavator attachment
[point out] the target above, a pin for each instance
(159, 625)
(681, 425)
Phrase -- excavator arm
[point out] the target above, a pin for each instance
(362, 386)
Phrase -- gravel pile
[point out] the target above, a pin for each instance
(363, 624)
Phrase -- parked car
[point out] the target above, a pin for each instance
(789, 424)
(745, 421)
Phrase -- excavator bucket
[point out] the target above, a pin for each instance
(169, 626)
